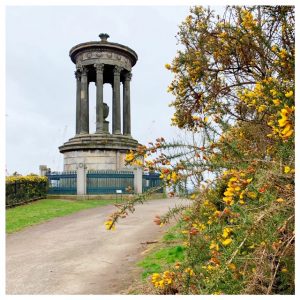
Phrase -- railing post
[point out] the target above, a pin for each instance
(81, 178)
(138, 180)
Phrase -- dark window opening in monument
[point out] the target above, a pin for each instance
(107, 98)
(92, 107)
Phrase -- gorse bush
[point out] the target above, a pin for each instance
(22, 189)
(233, 92)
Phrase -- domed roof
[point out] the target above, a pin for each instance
(103, 45)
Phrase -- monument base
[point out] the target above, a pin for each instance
(97, 151)
(95, 160)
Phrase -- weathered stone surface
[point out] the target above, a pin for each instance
(99, 141)
(95, 160)
(99, 58)
(81, 169)
(138, 180)
(107, 50)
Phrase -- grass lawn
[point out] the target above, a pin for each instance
(39, 211)
(155, 262)
(168, 252)
(160, 257)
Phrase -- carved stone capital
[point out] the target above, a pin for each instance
(117, 70)
(83, 71)
(77, 74)
(128, 76)
(99, 67)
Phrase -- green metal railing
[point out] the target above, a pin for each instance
(101, 182)
(110, 182)
(152, 180)
(62, 183)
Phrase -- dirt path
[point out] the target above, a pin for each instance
(76, 255)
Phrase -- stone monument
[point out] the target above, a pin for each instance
(101, 62)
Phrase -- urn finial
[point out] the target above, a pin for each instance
(103, 37)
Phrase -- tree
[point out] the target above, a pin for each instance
(233, 90)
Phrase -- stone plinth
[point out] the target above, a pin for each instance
(97, 151)
(95, 159)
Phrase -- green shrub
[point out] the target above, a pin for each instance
(23, 189)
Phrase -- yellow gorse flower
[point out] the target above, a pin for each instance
(129, 156)
(262, 108)
(251, 195)
(162, 280)
(109, 226)
(214, 246)
(227, 242)
(276, 102)
(247, 20)
(289, 94)
(189, 271)
(232, 266)
(286, 128)
(168, 66)
(226, 232)
(174, 176)
(236, 186)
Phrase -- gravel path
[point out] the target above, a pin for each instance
(76, 255)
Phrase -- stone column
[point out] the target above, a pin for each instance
(116, 126)
(84, 102)
(99, 98)
(126, 105)
(78, 91)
